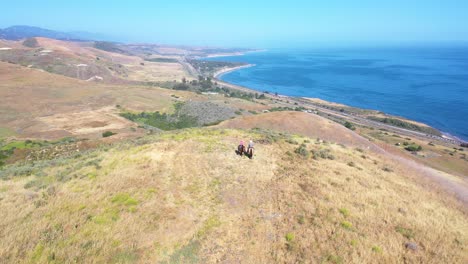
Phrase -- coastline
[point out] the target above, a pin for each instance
(221, 72)
(217, 75)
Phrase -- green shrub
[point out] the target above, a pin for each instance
(334, 259)
(406, 232)
(289, 237)
(323, 153)
(377, 249)
(108, 134)
(413, 148)
(344, 212)
(349, 125)
(346, 225)
(302, 151)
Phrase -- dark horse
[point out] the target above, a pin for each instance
(249, 153)
(240, 150)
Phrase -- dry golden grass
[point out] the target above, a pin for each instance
(303, 124)
(185, 197)
(44, 105)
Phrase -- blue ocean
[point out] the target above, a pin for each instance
(426, 84)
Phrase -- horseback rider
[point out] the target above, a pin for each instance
(250, 148)
(241, 148)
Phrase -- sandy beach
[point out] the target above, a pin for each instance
(221, 72)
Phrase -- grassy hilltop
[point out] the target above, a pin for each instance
(185, 197)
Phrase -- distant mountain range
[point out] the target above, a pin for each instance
(22, 32)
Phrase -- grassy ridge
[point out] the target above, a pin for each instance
(184, 196)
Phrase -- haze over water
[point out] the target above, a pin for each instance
(429, 85)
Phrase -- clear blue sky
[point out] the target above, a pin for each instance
(254, 23)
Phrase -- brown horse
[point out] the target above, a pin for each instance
(249, 153)
(240, 150)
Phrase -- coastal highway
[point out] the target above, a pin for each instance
(350, 117)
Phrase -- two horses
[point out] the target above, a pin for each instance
(241, 151)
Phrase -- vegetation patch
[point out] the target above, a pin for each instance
(344, 212)
(163, 121)
(31, 43)
(406, 125)
(289, 237)
(210, 67)
(334, 259)
(22, 145)
(108, 134)
(346, 225)
(108, 46)
(286, 108)
(108, 216)
(376, 249)
(406, 232)
(212, 222)
(165, 60)
(349, 125)
(302, 151)
(207, 85)
(413, 148)
(124, 199)
(125, 256)
(323, 153)
(187, 253)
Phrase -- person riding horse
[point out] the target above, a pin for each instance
(249, 151)
(241, 148)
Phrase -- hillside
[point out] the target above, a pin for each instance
(90, 171)
(81, 60)
(185, 197)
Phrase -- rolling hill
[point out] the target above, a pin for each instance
(89, 174)
(186, 197)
